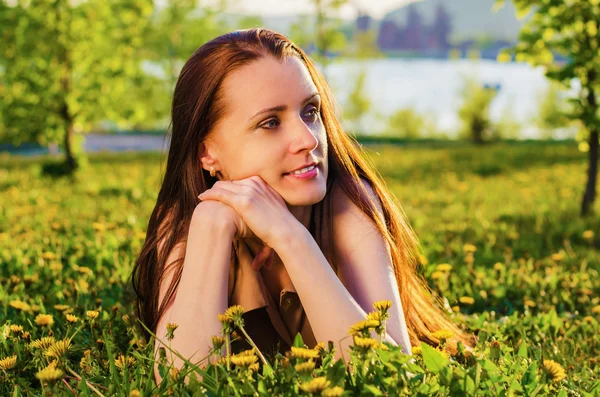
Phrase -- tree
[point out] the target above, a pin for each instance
(179, 29)
(569, 29)
(326, 36)
(553, 111)
(358, 103)
(474, 111)
(68, 65)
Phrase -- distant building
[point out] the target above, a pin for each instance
(415, 35)
(363, 22)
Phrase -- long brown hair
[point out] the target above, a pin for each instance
(197, 105)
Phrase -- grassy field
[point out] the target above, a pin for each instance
(523, 275)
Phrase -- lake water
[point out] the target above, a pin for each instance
(430, 86)
(433, 86)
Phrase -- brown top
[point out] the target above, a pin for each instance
(268, 323)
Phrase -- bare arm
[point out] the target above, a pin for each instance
(202, 291)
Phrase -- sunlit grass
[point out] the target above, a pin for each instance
(500, 233)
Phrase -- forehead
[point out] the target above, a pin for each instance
(265, 83)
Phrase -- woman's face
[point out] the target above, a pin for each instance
(271, 126)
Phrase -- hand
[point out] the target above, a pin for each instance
(260, 208)
(221, 215)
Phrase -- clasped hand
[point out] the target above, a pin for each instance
(262, 211)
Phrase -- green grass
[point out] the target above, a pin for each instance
(533, 275)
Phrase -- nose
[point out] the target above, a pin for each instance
(303, 138)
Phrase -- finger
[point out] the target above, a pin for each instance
(225, 196)
(261, 257)
(269, 261)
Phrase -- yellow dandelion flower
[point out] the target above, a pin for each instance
(437, 275)
(320, 347)
(16, 328)
(100, 227)
(444, 267)
(588, 319)
(223, 319)
(249, 352)
(469, 248)
(301, 352)
(558, 256)
(367, 343)
(443, 334)
(363, 325)
(135, 393)
(333, 392)
(316, 385)
(382, 305)
(417, 350)
(43, 343)
(306, 367)
(554, 370)
(8, 362)
(529, 303)
(467, 300)
(596, 309)
(92, 314)
(61, 308)
(217, 342)
(50, 374)
(234, 313)
(498, 266)
(123, 362)
(376, 316)
(49, 255)
(244, 360)
(455, 309)
(71, 318)
(588, 234)
(171, 327)
(19, 305)
(58, 349)
(44, 319)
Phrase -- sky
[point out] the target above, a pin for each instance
(375, 8)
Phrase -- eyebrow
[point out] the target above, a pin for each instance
(282, 108)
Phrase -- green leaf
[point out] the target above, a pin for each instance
(268, 371)
(261, 386)
(373, 390)
(298, 342)
(434, 360)
(529, 380)
(336, 373)
(522, 349)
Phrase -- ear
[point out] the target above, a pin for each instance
(207, 155)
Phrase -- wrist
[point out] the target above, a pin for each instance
(216, 217)
(288, 237)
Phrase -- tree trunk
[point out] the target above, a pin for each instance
(589, 196)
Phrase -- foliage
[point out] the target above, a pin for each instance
(70, 65)
(553, 114)
(474, 110)
(410, 124)
(568, 29)
(325, 34)
(500, 242)
(358, 104)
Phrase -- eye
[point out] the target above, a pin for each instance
(314, 113)
(269, 126)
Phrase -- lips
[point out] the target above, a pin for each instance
(315, 163)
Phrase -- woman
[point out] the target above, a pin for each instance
(266, 202)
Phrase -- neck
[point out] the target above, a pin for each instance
(301, 213)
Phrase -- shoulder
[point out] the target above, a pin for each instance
(345, 210)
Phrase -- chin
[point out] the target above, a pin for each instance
(305, 198)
